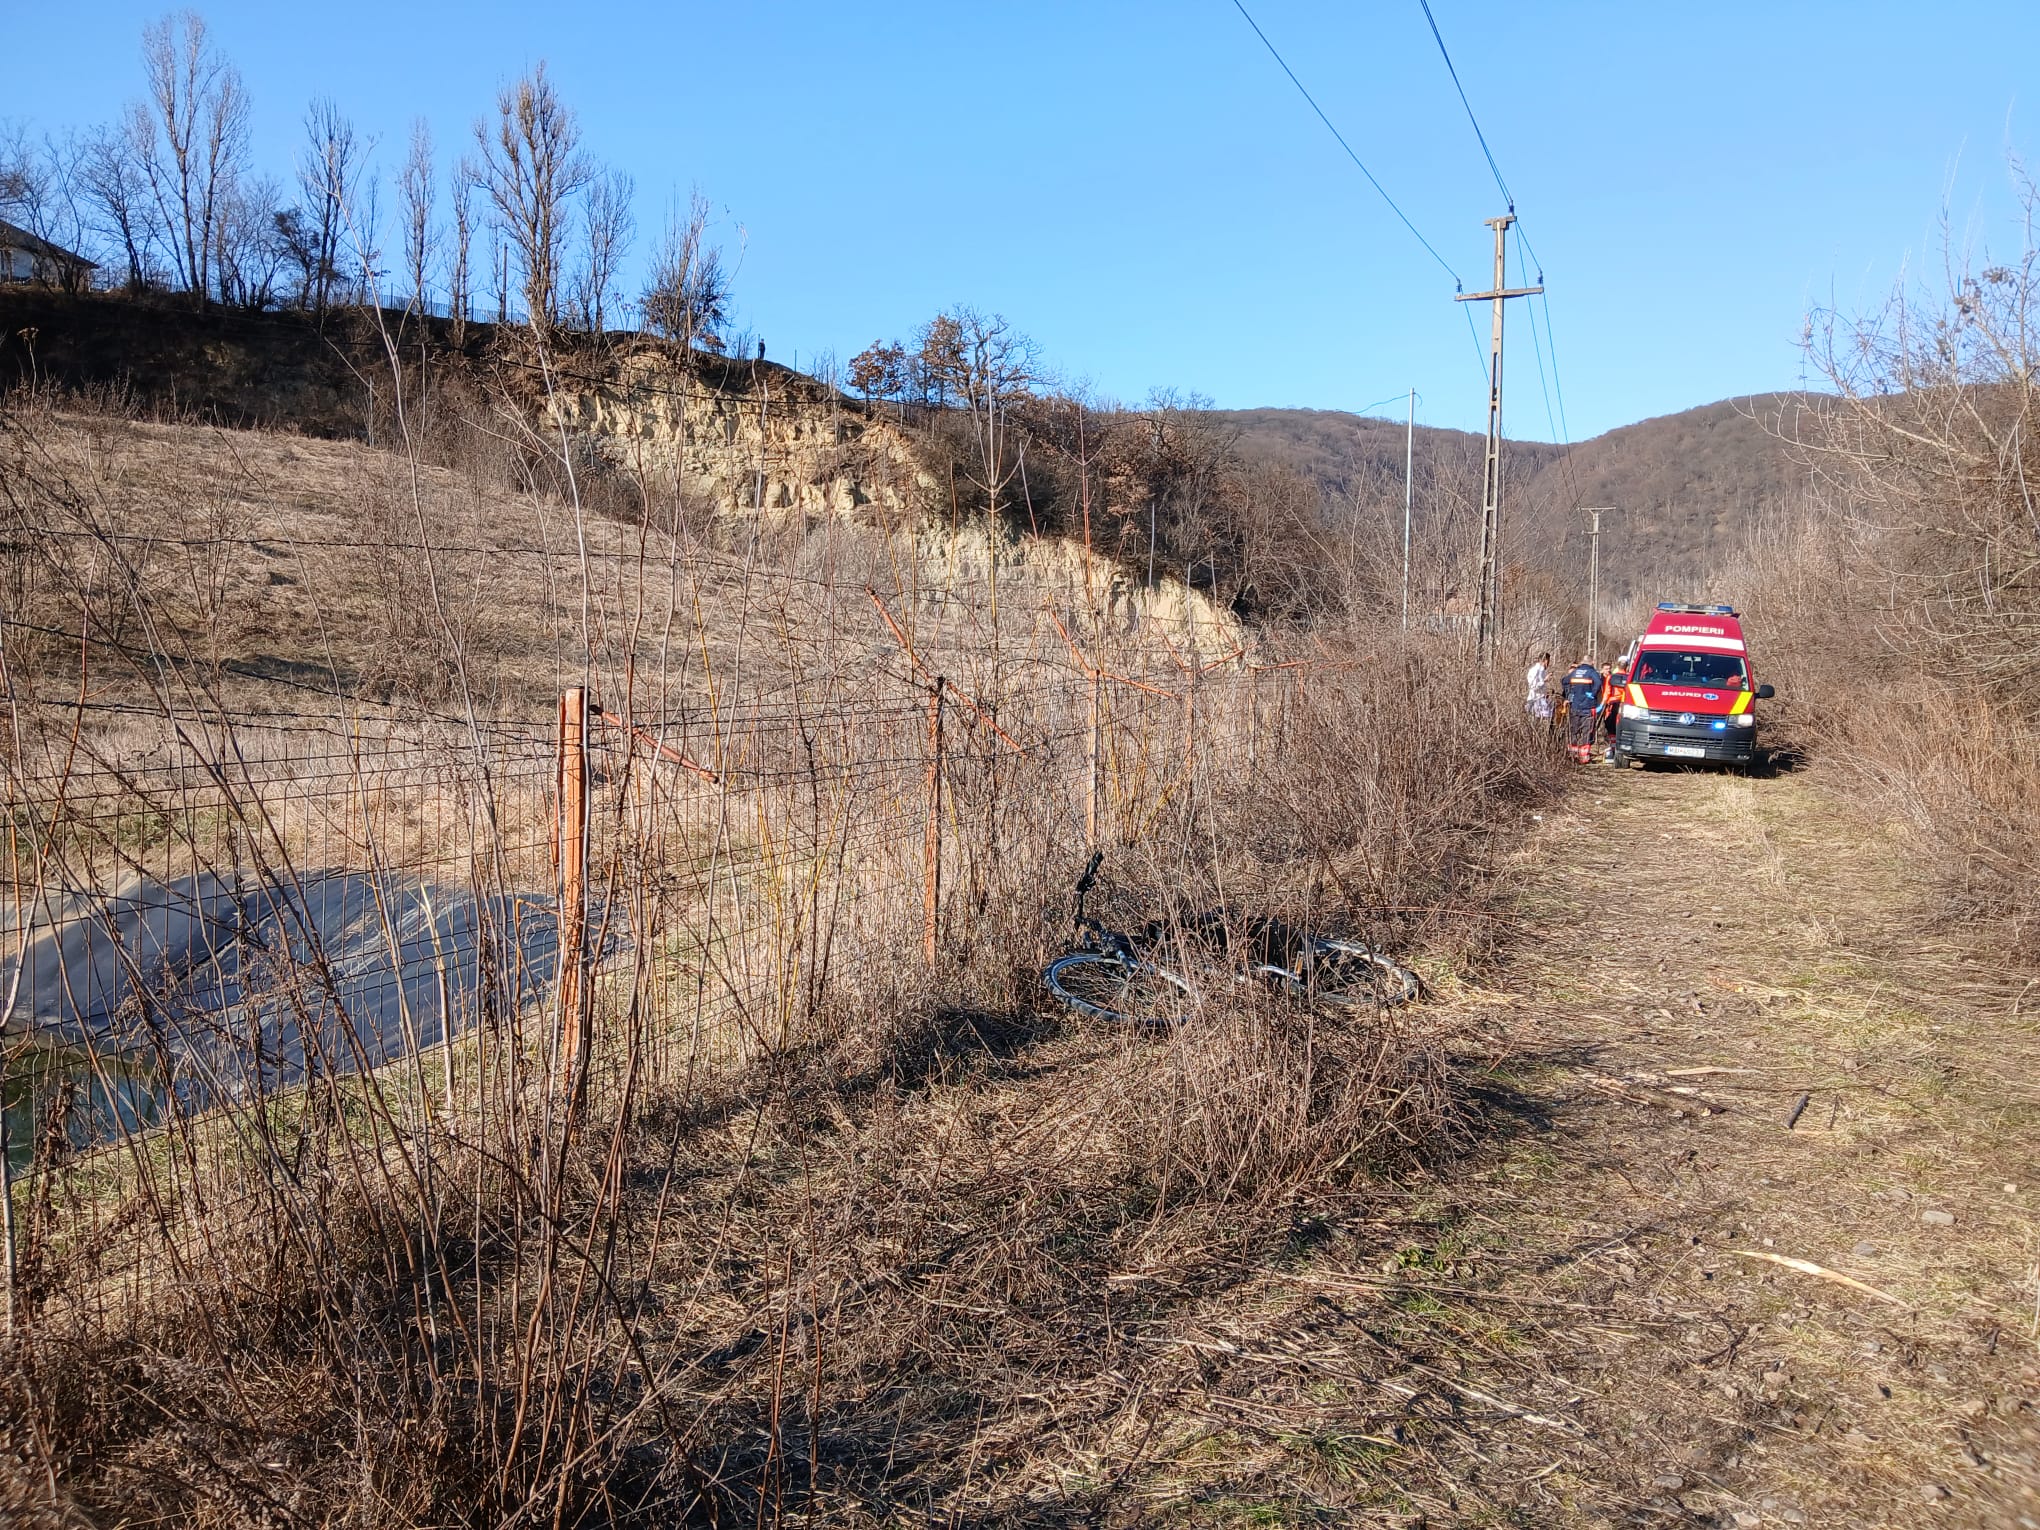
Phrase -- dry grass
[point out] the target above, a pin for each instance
(1563, 1326)
(831, 1232)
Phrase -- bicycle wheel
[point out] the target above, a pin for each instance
(1348, 974)
(1112, 988)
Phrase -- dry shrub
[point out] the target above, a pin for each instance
(1258, 1096)
(1902, 608)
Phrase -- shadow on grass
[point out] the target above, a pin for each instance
(961, 1040)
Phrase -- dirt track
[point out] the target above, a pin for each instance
(1580, 1323)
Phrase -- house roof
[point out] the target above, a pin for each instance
(14, 237)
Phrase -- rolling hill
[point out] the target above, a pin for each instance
(1686, 488)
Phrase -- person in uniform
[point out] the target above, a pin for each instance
(1584, 686)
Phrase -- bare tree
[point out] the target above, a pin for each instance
(327, 176)
(361, 223)
(532, 168)
(688, 296)
(459, 279)
(1930, 454)
(113, 182)
(200, 107)
(417, 190)
(1174, 465)
(610, 226)
(248, 249)
(37, 185)
(297, 245)
(986, 365)
(17, 172)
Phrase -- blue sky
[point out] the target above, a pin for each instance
(1137, 185)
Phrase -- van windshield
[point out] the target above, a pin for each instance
(1671, 666)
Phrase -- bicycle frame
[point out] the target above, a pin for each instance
(1266, 950)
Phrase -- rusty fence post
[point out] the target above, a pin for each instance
(1095, 786)
(571, 849)
(931, 890)
(1253, 720)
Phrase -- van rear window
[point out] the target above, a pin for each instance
(1672, 666)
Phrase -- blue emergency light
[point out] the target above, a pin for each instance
(1679, 608)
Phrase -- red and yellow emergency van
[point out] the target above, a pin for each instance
(1690, 691)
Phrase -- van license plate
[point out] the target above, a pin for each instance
(1687, 751)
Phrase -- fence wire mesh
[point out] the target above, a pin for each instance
(209, 911)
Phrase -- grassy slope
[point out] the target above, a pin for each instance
(263, 558)
(315, 572)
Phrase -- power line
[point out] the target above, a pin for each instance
(1445, 53)
(1557, 387)
(1393, 398)
(1530, 258)
(1341, 137)
(1529, 252)
(1537, 347)
(1549, 343)
(1480, 358)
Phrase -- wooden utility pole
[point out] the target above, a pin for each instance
(1594, 581)
(1491, 481)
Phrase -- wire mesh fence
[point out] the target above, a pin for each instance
(206, 911)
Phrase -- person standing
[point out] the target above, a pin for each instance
(1537, 679)
(1611, 706)
(1584, 686)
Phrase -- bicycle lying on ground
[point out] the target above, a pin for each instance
(1109, 976)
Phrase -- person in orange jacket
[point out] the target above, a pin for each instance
(1611, 704)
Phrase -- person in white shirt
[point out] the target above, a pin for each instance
(1537, 702)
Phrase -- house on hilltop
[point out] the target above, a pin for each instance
(26, 257)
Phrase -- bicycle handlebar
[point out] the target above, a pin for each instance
(1086, 882)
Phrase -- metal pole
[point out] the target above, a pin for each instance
(1409, 457)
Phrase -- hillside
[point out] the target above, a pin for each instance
(1686, 486)
(286, 570)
